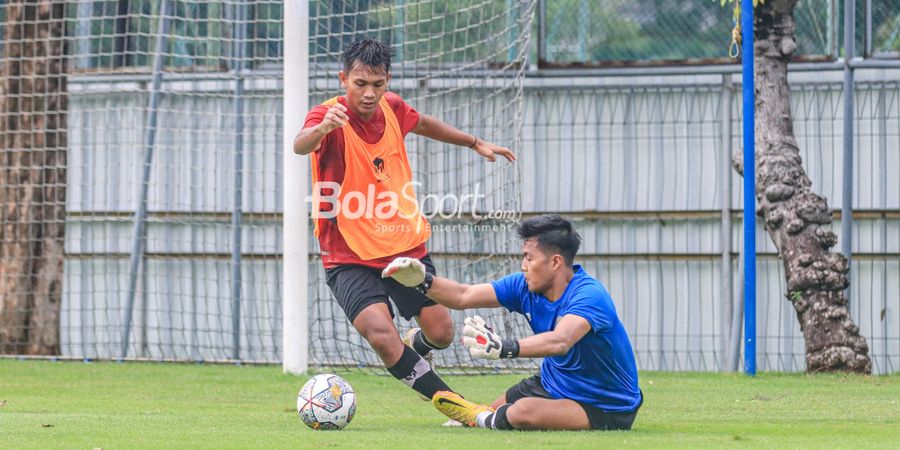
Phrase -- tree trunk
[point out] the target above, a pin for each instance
(32, 176)
(794, 215)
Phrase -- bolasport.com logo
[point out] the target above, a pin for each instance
(384, 206)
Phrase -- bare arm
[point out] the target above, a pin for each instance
(411, 272)
(569, 330)
(434, 128)
(462, 296)
(483, 342)
(309, 139)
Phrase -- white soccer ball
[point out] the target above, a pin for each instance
(326, 402)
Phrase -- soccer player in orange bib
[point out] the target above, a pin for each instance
(366, 215)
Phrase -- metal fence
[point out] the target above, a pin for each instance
(644, 163)
(649, 32)
(640, 163)
(639, 157)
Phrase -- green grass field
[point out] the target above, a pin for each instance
(148, 405)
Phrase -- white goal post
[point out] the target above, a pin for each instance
(462, 61)
(295, 228)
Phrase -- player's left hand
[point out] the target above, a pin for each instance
(409, 272)
(484, 343)
(490, 151)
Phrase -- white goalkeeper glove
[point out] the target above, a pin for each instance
(409, 272)
(484, 343)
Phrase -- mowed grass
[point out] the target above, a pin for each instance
(148, 405)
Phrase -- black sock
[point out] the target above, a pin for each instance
(498, 420)
(415, 372)
(422, 345)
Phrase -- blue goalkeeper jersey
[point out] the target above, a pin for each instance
(599, 369)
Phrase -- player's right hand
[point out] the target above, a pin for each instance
(482, 342)
(335, 117)
(409, 272)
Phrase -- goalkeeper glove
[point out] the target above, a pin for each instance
(409, 272)
(484, 343)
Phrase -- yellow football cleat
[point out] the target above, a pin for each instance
(457, 408)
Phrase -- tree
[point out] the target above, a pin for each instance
(794, 215)
(32, 176)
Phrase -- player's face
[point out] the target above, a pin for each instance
(364, 86)
(537, 267)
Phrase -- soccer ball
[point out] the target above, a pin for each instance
(326, 402)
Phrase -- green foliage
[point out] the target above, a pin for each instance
(150, 405)
(886, 26)
(467, 32)
(814, 35)
(736, 11)
(637, 30)
(200, 34)
(451, 31)
(335, 24)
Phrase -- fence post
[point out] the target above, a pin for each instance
(847, 179)
(747, 56)
(726, 280)
(542, 32)
(868, 42)
(140, 215)
(240, 32)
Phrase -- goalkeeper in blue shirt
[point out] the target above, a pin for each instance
(588, 379)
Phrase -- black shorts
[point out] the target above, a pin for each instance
(599, 419)
(356, 287)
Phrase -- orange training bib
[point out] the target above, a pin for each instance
(376, 207)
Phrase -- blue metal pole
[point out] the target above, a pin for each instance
(240, 34)
(140, 215)
(847, 176)
(749, 191)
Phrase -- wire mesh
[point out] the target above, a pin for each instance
(623, 32)
(885, 28)
(637, 162)
(174, 96)
(463, 62)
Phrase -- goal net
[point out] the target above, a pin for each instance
(463, 62)
(140, 190)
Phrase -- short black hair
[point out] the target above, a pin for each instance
(553, 233)
(369, 52)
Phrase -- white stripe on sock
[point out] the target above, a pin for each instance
(421, 368)
(481, 419)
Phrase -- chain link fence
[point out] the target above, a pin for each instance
(140, 184)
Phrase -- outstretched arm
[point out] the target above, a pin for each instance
(434, 128)
(410, 272)
(462, 296)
